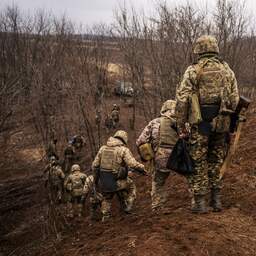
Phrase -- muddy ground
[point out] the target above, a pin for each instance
(24, 225)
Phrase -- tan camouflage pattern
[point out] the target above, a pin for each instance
(54, 177)
(151, 134)
(207, 152)
(126, 194)
(168, 105)
(124, 156)
(158, 192)
(126, 189)
(206, 44)
(123, 135)
(71, 180)
(75, 200)
(189, 85)
(115, 118)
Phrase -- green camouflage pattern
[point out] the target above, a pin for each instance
(208, 154)
(206, 44)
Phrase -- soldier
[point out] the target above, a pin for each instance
(74, 184)
(54, 179)
(115, 116)
(52, 149)
(110, 166)
(95, 198)
(160, 135)
(74, 153)
(206, 96)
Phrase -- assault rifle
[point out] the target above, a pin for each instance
(237, 120)
(123, 172)
(138, 170)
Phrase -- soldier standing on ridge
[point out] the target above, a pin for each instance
(206, 97)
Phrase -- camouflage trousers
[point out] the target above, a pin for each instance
(75, 206)
(55, 193)
(158, 191)
(208, 153)
(95, 204)
(126, 194)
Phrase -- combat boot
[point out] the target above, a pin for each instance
(215, 202)
(199, 204)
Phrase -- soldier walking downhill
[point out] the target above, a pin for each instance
(54, 180)
(74, 184)
(206, 96)
(160, 135)
(110, 166)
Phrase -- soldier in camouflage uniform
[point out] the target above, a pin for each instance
(115, 116)
(74, 153)
(162, 135)
(74, 184)
(54, 179)
(109, 165)
(95, 198)
(214, 84)
(52, 149)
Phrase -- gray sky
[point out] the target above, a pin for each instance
(94, 11)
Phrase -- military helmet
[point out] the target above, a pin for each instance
(78, 139)
(205, 44)
(75, 167)
(122, 135)
(115, 107)
(53, 159)
(168, 105)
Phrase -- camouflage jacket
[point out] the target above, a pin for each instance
(189, 84)
(75, 182)
(54, 174)
(124, 156)
(151, 134)
(115, 115)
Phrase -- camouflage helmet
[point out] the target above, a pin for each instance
(168, 105)
(122, 135)
(75, 167)
(115, 107)
(53, 159)
(206, 44)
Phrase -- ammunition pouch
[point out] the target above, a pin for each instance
(209, 112)
(146, 152)
(213, 121)
(108, 181)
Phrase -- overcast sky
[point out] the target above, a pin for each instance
(94, 11)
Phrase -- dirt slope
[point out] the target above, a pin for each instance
(175, 231)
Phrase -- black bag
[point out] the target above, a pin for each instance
(180, 161)
(107, 181)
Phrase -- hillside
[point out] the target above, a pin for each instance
(23, 215)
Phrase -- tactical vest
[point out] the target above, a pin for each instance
(77, 185)
(109, 159)
(168, 136)
(211, 78)
(212, 90)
